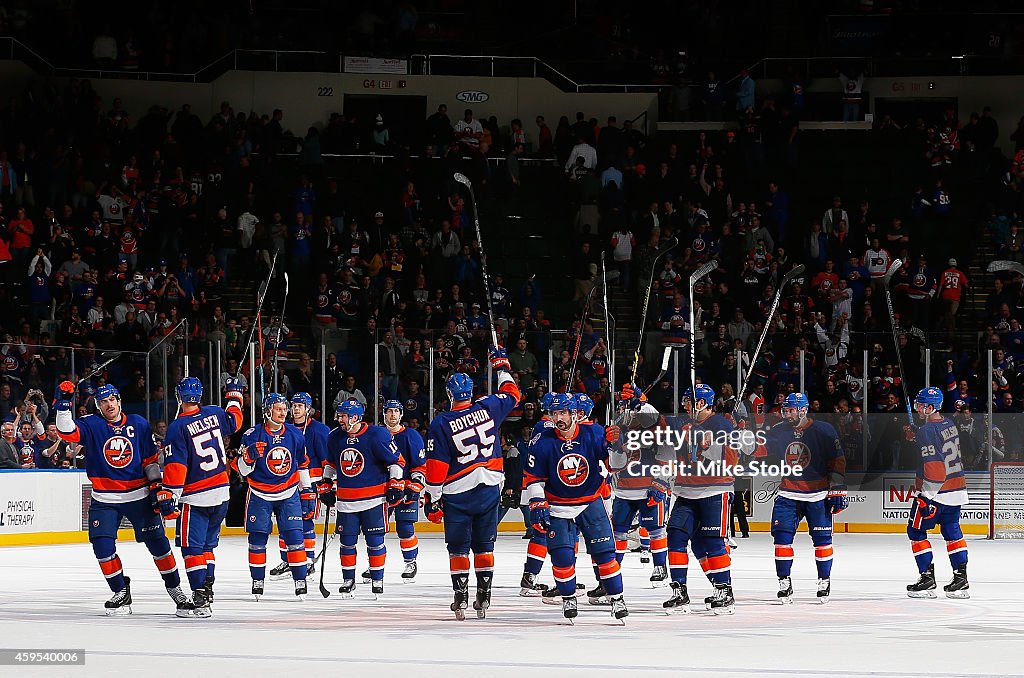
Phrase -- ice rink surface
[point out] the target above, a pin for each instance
(52, 597)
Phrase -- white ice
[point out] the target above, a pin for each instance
(52, 597)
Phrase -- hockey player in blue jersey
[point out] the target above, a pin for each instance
(407, 511)
(464, 474)
(563, 482)
(545, 415)
(272, 459)
(195, 482)
(815, 492)
(941, 491)
(315, 434)
(123, 466)
(537, 548)
(365, 464)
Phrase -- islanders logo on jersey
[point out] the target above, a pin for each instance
(118, 451)
(279, 461)
(351, 462)
(797, 454)
(573, 469)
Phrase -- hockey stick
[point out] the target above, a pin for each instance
(579, 337)
(695, 277)
(666, 357)
(893, 268)
(793, 273)
(672, 242)
(323, 552)
(99, 368)
(608, 338)
(260, 298)
(464, 180)
(280, 326)
(1005, 265)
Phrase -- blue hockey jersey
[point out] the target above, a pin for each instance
(816, 449)
(117, 454)
(361, 464)
(195, 455)
(274, 462)
(566, 470)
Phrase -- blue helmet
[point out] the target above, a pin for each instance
(106, 391)
(394, 405)
(930, 396)
(303, 398)
(584, 404)
(460, 387)
(351, 407)
(700, 392)
(797, 401)
(189, 390)
(545, 401)
(562, 401)
(271, 400)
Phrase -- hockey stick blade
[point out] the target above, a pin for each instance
(1005, 265)
(893, 267)
(793, 273)
(703, 271)
(462, 179)
(666, 357)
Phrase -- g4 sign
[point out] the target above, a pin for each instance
(472, 96)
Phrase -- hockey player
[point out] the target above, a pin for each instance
(315, 434)
(563, 482)
(816, 492)
(642, 479)
(537, 549)
(196, 476)
(123, 466)
(703, 493)
(407, 511)
(273, 459)
(367, 467)
(941, 491)
(464, 474)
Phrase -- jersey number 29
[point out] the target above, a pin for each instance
(470, 449)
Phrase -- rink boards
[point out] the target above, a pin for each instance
(51, 507)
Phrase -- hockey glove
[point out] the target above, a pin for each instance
(325, 490)
(65, 396)
(925, 509)
(510, 499)
(233, 389)
(499, 359)
(434, 508)
(307, 498)
(540, 515)
(837, 501)
(657, 493)
(166, 505)
(396, 491)
(909, 433)
(413, 489)
(612, 434)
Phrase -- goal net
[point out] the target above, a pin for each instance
(1006, 508)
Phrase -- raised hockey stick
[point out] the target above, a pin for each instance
(280, 326)
(260, 298)
(579, 337)
(99, 368)
(1005, 265)
(608, 338)
(323, 552)
(672, 242)
(695, 277)
(464, 180)
(893, 268)
(791, 275)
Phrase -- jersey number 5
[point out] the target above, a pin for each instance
(470, 449)
(209, 446)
